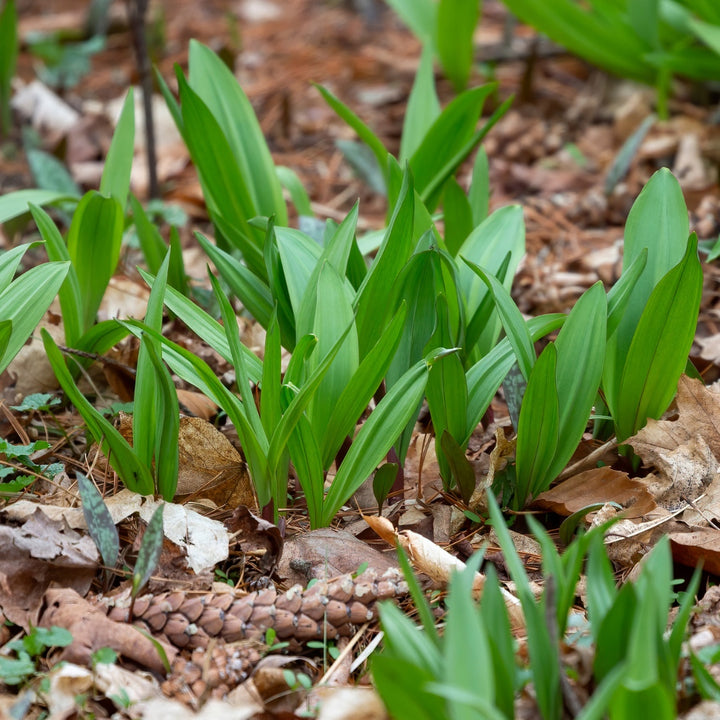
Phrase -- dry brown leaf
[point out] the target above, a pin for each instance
(701, 545)
(326, 553)
(599, 485)
(39, 553)
(210, 467)
(503, 450)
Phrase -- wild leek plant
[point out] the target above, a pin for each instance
(473, 669)
(9, 46)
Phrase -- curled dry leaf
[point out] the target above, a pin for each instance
(684, 451)
(503, 450)
(255, 534)
(438, 564)
(210, 467)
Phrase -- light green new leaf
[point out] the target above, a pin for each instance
(660, 346)
(419, 16)
(218, 88)
(479, 193)
(537, 437)
(376, 437)
(94, 247)
(16, 203)
(134, 474)
(115, 180)
(455, 27)
(423, 107)
(9, 262)
(580, 349)
(25, 301)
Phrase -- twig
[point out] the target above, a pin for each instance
(589, 460)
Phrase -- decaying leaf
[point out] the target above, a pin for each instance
(41, 552)
(599, 485)
(438, 564)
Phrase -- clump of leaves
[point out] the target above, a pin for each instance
(28, 649)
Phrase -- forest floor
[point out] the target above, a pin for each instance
(553, 153)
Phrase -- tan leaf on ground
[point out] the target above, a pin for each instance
(684, 450)
(38, 553)
(599, 485)
(701, 545)
(326, 553)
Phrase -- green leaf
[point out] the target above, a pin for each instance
(151, 243)
(307, 462)
(218, 88)
(291, 182)
(149, 553)
(452, 130)
(515, 327)
(131, 471)
(376, 437)
(9, 46)
(94, 248)
(479, 193)
(17, 203)
(458, 216)
(419, 16)
(660, 346)
(205, 327)
(361, 387)
(455, 27)
(580, 349)
(25, 301)
(99, 521)
(116, 173)
(423, 107)
(383, 480)
(460, 467)
(537, 437)
(363, 131)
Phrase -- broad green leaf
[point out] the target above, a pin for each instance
(251, 290)
(515, 327)
(451, 131)
(270, 409)
(485, 377)
(372, 303)
(25, 301)
(423, 107)
(376, 437)
(537, 437)
(580, 349)
(101, 337)
(224, 185)
(658, 222)
(383, 481)
(361, 388)
(9, 45)
(115, 180)
(18, 202)
(660, 346)
(455, 27)
(149, 553)
(211, 79)
(205, 327)
(299, 254)
(94, 247)
(457, 215)
(460, 467)
(134, 474)
(487, 246)
(619, 294)
(99, 521)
